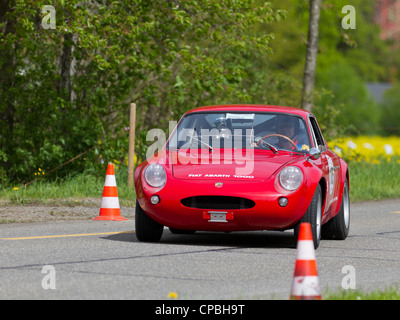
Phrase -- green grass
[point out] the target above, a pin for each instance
(374, 181)
(385, 294)
(67, 191)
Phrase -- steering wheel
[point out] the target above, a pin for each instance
(277, 135)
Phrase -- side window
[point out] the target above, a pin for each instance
(317, 134)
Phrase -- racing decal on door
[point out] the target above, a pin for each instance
(331, 175)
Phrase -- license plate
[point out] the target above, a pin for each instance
(218, 216)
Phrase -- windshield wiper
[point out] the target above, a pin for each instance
(272, 147)
(210, 149)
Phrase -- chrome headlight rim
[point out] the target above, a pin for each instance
(291, 178)
(155, 175)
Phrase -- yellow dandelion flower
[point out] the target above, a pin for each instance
(173, 295)
(40, 169)
(16, 188)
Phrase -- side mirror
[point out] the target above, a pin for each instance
(314, 154)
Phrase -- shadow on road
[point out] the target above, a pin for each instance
(252, 239)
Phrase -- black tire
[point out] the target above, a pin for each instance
(146, 228)
(313, 216)
(338, 227)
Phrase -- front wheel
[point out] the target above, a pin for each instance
(338, 227)
(313, 216)
(146, 228)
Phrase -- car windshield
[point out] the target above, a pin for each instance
(241, 130)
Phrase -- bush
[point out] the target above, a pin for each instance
(359, 114)
(390, 111)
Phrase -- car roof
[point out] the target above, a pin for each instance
(252, 108)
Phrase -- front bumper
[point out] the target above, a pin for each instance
(266, 214)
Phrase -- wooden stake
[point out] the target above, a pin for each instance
(131, 151)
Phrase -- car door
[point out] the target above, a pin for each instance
(330, 167)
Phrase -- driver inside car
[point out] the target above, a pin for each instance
(289, 135)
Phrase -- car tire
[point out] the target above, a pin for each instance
(313, 216)
(338, 227)
(147, 229)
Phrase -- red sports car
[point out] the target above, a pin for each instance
(241, 168)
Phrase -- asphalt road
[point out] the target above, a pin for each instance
(103, 260)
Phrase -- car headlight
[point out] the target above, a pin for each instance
(155, 175)
(291, 178)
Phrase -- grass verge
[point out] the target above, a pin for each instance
(385, 294)
(69, 191)
(377, 181)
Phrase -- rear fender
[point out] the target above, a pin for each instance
(344, 173)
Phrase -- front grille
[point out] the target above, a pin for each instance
(218, 202)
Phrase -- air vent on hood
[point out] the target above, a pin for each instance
(217, 202)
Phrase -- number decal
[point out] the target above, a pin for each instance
(331, 175)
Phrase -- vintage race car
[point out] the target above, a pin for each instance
(241, 168)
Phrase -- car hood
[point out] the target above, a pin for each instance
(259, 166)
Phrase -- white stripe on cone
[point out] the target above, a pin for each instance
(305, 250)
(110, 202)
(306, 286)
(110, 181)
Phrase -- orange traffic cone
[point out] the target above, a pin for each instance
(305, 285)
(109, 209)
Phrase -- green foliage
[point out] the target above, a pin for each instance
(361, 48)
(347, 60)
(348, 93)
(64, 90)
(390, 110)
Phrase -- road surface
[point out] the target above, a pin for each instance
(86, 259)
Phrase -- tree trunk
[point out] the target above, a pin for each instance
(311, 57)
(64, 89)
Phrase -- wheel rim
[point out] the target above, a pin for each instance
(346, 206)
(319, 214)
